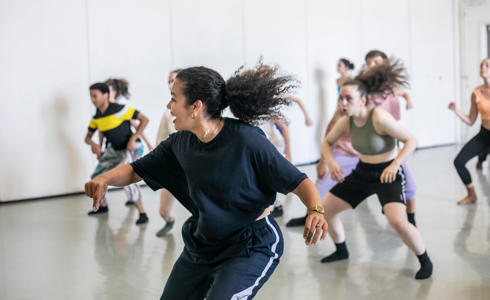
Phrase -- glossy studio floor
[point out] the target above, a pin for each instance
(50, 249)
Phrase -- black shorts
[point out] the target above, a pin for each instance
(365, 181)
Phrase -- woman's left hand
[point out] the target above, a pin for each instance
(314, 225)
(389, 174)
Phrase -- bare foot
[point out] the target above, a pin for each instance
(467, 200)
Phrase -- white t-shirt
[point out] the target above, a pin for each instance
(166, 127)
(273, 135)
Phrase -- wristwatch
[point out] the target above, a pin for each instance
(317, 208)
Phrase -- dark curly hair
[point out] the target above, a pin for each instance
(100, 86)
(384, 77)
(253, 96)
(121, 86)
(347, 63)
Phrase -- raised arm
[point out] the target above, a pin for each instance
(404, 94)
(285, 133)
(308, 120)
(315, 222)
(385, 124)
(120, 176)
(470, 118)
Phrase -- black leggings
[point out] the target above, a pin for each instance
(483, 156)
(477, 145)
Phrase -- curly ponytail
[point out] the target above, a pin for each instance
(258, 94)
(384, 77)
(253, 95)
(121, 86)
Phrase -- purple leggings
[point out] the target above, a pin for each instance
(348, 163)
(410, 186)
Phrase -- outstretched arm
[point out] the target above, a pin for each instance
(404, 94)
(308, 120)
(120, 176)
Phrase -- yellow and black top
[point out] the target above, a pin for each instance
(114, 124)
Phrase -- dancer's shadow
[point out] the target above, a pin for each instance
(485, 185)
(322, 112)
(169, 255)
(477, 260)
(120, 261)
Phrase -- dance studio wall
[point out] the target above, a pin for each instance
(475, 15)
(52, 50)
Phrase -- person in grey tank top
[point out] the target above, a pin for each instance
(373, 134)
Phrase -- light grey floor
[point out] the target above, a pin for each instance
(50, 249)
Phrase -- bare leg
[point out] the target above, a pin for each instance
(471, 197)
(166, 202)
(410, 235)
(395, 213)
(333, 206)
(139, 206)
(410, 206)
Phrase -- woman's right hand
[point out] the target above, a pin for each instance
(452, 106)
(96, 189)
(336, 172)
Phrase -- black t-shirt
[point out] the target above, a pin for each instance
(114, 124)
(226, 184)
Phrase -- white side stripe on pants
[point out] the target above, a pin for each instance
(404, 184)
(243, 295)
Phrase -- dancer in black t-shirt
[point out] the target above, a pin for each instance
(226, 173)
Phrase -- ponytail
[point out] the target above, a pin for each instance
(384, 77)
(253, 96)
(258, 94)
(347, 63)
(121, 86)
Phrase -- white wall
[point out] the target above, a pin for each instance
(52, 50)
(474, 15)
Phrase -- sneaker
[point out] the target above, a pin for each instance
(277, 212)
(102, 210)
(479, 165)
(143, 219)
(296, 222)
(166, 229)
(129, 203)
